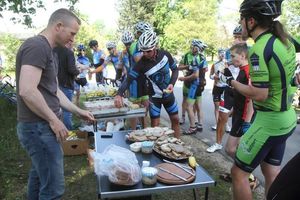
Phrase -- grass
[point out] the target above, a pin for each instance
(79, 177)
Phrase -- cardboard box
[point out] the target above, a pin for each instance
(78, 146)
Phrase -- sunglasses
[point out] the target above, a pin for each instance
(148, 51)
(109, 49)
(127, 44)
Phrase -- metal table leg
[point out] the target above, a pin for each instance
(206, 193)
(195, 194)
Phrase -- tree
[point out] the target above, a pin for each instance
(197, 20)
(133, 11)
(26, 8)
(10, 48)
(291, 16)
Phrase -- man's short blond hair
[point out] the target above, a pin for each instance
(63, 15)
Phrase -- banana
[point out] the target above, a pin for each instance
(192, 162)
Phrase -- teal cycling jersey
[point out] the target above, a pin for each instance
(133, 52)
(195, 63)
(272, 66)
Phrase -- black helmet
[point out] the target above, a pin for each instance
(270, 8)
(93, 43)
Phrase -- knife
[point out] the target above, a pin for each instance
(184, 168)
(176, 175)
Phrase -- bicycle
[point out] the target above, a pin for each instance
(7, 91)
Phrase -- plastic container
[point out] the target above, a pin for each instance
(147, 147)
(136, 147)
(149, 175)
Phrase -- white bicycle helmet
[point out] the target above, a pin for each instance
(221, 52)
(147, 41)
(127, 37)
(142, 27)
(237, 30)
(110, 45)
(199, 44)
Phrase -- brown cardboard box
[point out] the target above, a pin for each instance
(76, 147)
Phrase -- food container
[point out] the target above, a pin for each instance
(149, 175)
(147, 147)
(136, 147)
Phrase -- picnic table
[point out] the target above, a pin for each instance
(108, 190)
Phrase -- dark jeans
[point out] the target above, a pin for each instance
(46, 177)
(67, 116)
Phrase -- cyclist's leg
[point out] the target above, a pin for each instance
(184, 103)
(171, 107)
(154, 111)
(191, 98)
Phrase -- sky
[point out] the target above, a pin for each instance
(103, 10)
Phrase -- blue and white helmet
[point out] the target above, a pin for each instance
(127, 37)
(110, 45)
(237, 30)
(199, 44)
(80, 47)
(142, 27)
(148, 41)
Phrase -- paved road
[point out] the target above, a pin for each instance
(208, 136)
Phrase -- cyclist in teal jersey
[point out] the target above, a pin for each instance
(137, 92)
(202, 82)
(127, 40)
(192, 63)
(272, 61)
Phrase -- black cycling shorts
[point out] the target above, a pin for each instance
(168, 102)
(217, 93)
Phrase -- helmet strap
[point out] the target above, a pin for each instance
(249, 31)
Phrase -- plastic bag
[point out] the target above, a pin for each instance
(119, 164)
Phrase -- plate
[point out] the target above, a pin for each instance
(149, 134)
(172, 154)
(167, 178)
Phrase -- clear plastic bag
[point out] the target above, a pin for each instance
(119, 164)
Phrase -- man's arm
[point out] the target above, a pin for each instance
(182, 67)
(255, 93)
(174, 76)
(29, 79)
(118, 100)
(69, 106)
(191, 77)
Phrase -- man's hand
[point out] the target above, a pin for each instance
(118, 101)
(86, 115)
(169, 89)
(181, 78)
(225, 79)
(59, 129)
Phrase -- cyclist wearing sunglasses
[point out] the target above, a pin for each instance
(155, 65)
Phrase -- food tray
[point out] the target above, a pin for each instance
(182, 153)
(119, 113)
(148, 134)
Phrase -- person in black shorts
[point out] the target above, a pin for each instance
(155, 65)
(242, 107)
